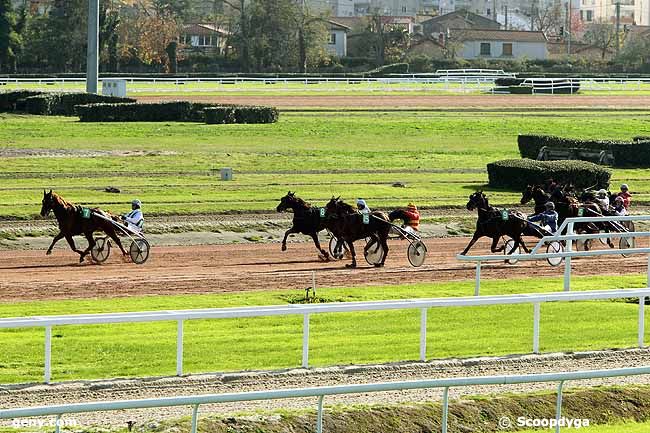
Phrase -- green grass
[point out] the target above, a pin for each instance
(440, 156)
(86, 352)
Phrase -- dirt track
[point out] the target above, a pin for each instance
(428, 101)
(31, 275)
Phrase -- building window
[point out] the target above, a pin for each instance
(485, 49)
(590, 15)
(332, 40)
(507, 50)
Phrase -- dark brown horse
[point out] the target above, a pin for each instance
(491, 223)
(72, 223)
(347, 224)
(306, 220)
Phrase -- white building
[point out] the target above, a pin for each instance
(337, 43)
(501, 44)
(635, 12)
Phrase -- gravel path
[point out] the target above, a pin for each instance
(118, 389)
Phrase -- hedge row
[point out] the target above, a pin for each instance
(51, 103)
(225, 114)
(177, 111)
(625, 153)
(518, 173)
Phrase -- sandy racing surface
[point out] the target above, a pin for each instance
(428, 101)
(31, 275)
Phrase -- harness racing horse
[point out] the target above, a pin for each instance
(306, 220)
(347, 224)
(491, 224)
(72, 223)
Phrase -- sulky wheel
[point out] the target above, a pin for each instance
(101, 250)
(139, 251)
(375, 254)
(417, 253)
(510, 243)
(626, 243)
(552, 248)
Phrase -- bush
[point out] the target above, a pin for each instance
(518, 173)
(179, 111)
(625, 153)
(237, 114)
(395, 68)
(58, 104)
(508, 81)
(152, 112)
(9, 99)
(40, 104)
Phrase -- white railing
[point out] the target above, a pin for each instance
(306, 310)
(460, 82)
(567, 254)
(322, 392)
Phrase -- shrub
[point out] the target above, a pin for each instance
(395, 68)
(151, 112)
(9, 99)
(518, 173)
(635, 154)
(60, 104)
(641, 138)
(40, 104)
(241, 114)
(508, 81)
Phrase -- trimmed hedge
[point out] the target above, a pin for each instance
(54, 104)
(640, 138)
(9, 100)
(177, 111)
(243, 114)
(395, 68)
(625, 153)
(518, 173)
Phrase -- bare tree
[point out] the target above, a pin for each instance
(601, 35)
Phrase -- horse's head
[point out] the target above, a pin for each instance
(48, 203)
(527, 195)
(477, 200)
(332, 206)
(287, 202)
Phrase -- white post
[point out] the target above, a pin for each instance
(179, 348)
(57, 427)
(445, 408)
(558, 407)
(641, 334)
(48, 353)
(477, 286)
(305, 341)
(567, 260)
(313, 282)
(92, 54)
(195, 418)
(536, 314)
(319, 416)
(423, 335)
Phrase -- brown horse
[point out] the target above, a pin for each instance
(72, 223)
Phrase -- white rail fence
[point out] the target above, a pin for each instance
(567, 254)
(322, 392)
(452, 82)
(307, 310)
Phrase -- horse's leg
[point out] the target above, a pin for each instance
(314, 236)
(74, 248)
(91, 243)
(493, 247)
(110, 231)
(56, 239)
(286, 235)
(520, 241)
(475, 238)
(354, 255)
(384, 245)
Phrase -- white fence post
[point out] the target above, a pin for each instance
(445, 409)
(195, 418)
(319, 416)
(567, 260)
(536, 318)
(558, 407)
(179, 348)
(305, 341)
(477, 285)
(48, 353)
(423, 335)
(641, 332)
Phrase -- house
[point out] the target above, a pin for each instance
(460, 19)
(426, 46)
(206, 38)
(559, 50)
(499, 44)
(337, 43)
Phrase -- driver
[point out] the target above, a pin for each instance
(549, 217)
(413, 218)
(362, 207)
(134, 219)
(625, 194)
